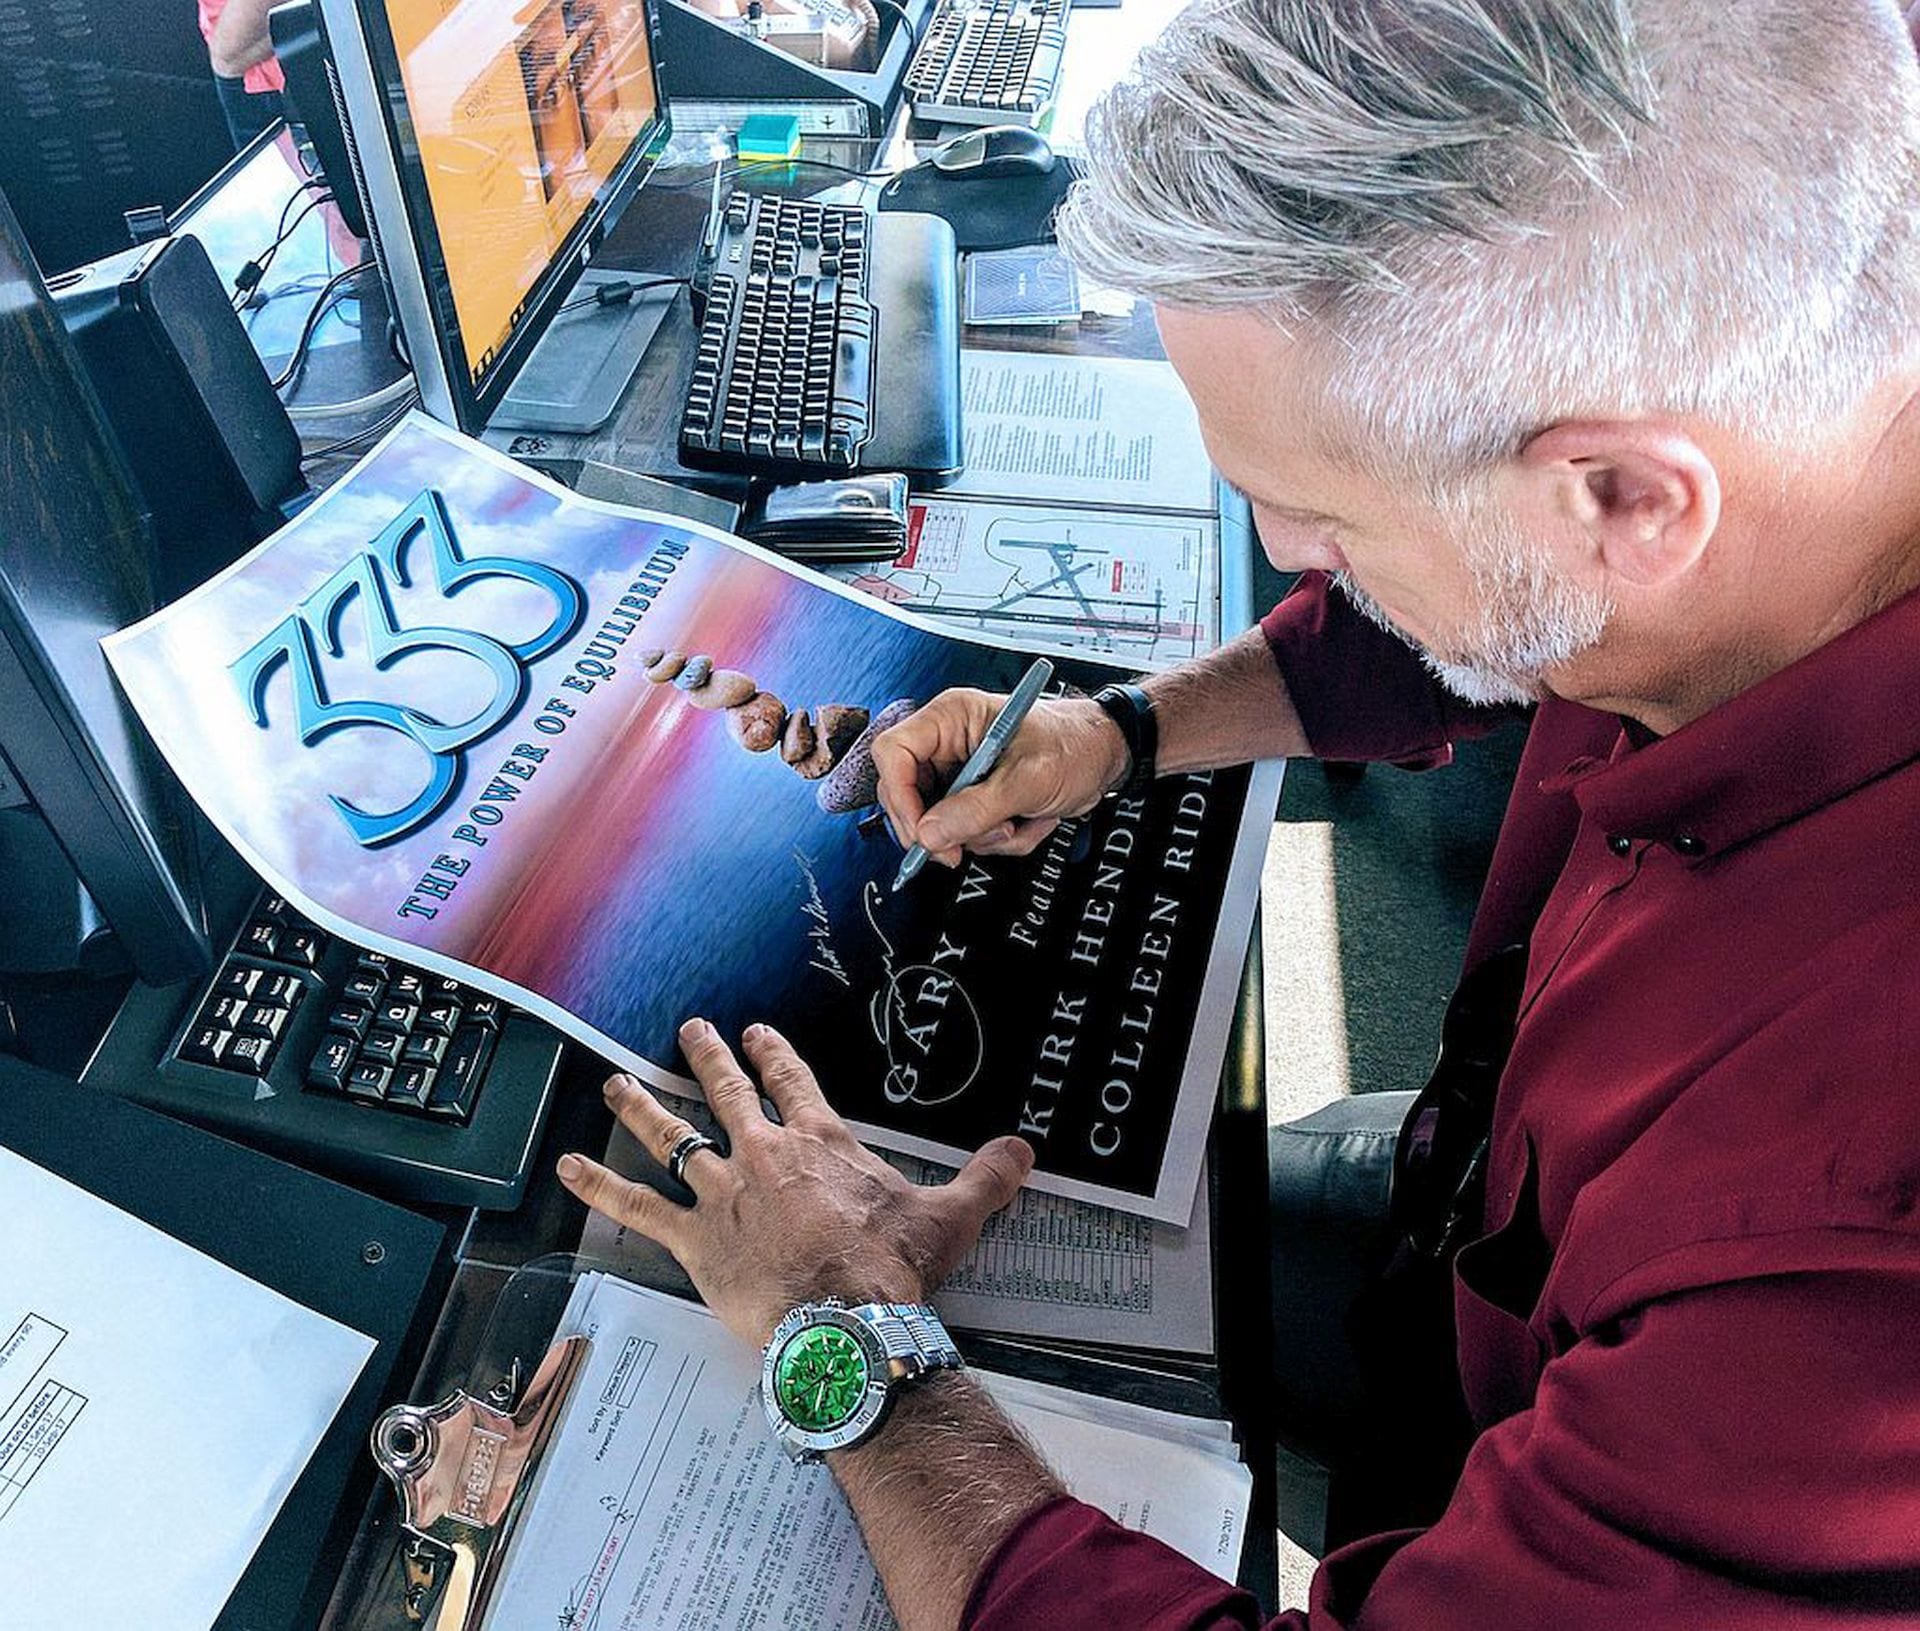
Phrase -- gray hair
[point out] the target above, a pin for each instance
(1486, 216)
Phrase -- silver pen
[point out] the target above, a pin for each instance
(983, 758)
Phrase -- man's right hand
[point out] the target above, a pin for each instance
(1065, 755)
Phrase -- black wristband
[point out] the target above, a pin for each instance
(1131, 709)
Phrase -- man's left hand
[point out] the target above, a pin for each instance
(798, 1209)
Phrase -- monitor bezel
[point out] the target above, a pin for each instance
(405, 234)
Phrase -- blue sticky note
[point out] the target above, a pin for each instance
(769, 136)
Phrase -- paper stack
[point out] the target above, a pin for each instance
(664, 1501)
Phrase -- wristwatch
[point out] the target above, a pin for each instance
(1131, 709)
(830, 1372)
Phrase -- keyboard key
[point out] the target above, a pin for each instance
(398, 1015)
(363, 985)
(265, 1019)
(274, 909)
(378, 961)
(441, 986)
(352, 1017)
(224, 1012)
(250, 1053)
(425, 1049)
(460, 1073)
(368, 1080)
(283, 990)
(302, 946)
(439, 1019)
(206, 1045)
(259, 938)
(383, 1047)
(237, 980)
(331, 1062)
(408, 985)
(412, 1085)
(486, 1011)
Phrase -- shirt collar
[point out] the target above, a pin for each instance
(1838, 718)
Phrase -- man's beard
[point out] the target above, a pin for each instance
(1528, 619)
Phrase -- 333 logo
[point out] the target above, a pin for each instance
(316, 624)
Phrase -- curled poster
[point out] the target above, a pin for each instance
(614, 767)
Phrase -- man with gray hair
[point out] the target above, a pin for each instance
(1569, 348)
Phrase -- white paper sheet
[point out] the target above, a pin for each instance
(1045, 1267)
(664, 1501)
(155, 1409)
(1112, 432)
(1137, 587)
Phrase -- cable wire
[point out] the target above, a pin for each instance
(248, 278)
(401, 389)
(321, 302)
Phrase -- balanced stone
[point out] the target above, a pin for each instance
(796, 741)
(696, 674)
(835, 728)
(665, 666)
(855, 780)
(727, 689)
(756, 722)
(652, 655)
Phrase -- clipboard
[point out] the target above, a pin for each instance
(361, 1261)
(462, 1468)
(466, 1468)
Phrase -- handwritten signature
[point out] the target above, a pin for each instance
(821, 954)
(908, 1038)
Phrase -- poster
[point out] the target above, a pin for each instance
(433, 711)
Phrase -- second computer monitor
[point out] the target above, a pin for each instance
(497, 141)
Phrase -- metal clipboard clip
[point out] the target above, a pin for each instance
(462, 1469)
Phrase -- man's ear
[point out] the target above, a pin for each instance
(1645, 495)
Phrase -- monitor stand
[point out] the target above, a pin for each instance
(578, 372)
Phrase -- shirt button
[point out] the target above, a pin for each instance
(1619, 843)
(1689, 845)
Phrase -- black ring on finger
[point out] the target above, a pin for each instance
(685, 1148)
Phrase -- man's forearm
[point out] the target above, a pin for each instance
(240, 38)
(1225, 708)
(941, 1486)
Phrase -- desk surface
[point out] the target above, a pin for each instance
(659, 234)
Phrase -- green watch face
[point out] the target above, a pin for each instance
(820, 1378)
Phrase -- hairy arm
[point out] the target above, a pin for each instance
(936, 1491)
(1225, 708)
(240, 39)
(1221, 709)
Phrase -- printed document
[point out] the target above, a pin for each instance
(155, 1409)
(663, 1499)
(1143, 588)
(1108, 431)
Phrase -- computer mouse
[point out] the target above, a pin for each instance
(1002, 207)
(995, 150)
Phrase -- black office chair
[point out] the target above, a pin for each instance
(1361, 1448)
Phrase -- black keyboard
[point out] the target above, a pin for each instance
(416, 1084)
(801, 300)
(988, 62)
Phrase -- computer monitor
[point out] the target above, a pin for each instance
(92, 826)
(497, 142)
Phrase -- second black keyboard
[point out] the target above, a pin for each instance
(801, 298)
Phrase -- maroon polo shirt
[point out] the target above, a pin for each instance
(1691, 1335)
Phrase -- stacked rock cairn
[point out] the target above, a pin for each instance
(831, 745)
